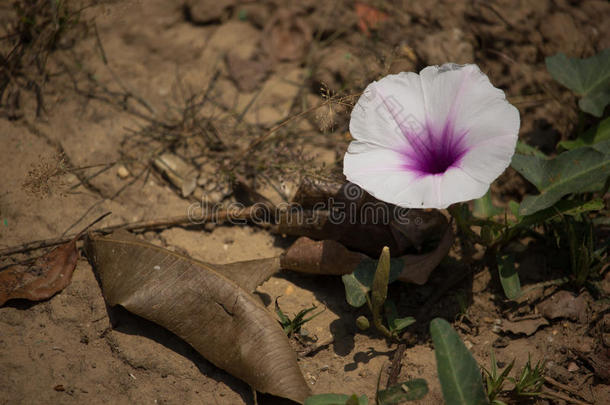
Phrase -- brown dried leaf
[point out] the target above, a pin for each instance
(320, 257)
(527, 327)
(332, 258)
(564, 305)
(347, 214)
(48, 275)
(204, 306)
(417, 268)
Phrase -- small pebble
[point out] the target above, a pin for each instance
(122, 172)
(324, 367)
(572, 367)
(468, 344)
(312, 378)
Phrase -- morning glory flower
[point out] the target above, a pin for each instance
(431, 139)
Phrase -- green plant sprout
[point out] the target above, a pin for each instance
(494, 381)
(292, 326)
(528, 384)
(530, 379)
(460, 375)
(380, 306)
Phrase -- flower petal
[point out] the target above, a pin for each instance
(377, 170)
(491, 141)
(386, 106)
(434, 191)
(457, 185)
(431, 140)
(463, 98)
(363, 159)
(456, 94)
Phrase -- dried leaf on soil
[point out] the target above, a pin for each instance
(343, 212)
(564, 305)
(48, 275)
(203, 305)
(328, 257)
(525, 327)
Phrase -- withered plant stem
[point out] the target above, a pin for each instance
(138, 226)
(266, 136)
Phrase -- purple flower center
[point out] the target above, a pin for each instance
(429, 151)
(433, 153)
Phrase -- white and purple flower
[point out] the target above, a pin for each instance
(433, 139)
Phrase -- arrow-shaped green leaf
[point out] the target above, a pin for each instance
(579, 170)
(458, 371)
(589, 78)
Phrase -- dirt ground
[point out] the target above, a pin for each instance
(255, 64)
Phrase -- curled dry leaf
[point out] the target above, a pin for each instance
(48, 275)
(525, 327)
(210, 307)
(564, 305)
(332, 258)
(345, 213)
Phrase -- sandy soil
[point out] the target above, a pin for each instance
(66, 350)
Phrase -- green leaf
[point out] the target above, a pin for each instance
(509, 278)
(355, 291)
(561, 208)
(589, 78)
(458, 372)
(525, 149)
(514, 208)
(484, 208)
(557, 211)
(360, 282)
(579, 170)
(412, 390)
(402, 323)
(284, 320)
(380, 287)
(395, 323)
(336, 399)
(596, 134)
(355, 400)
